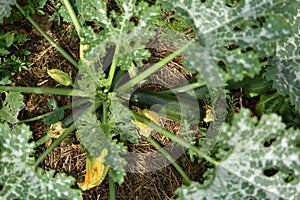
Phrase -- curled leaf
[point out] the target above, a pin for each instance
(95, 171)
(59, 76)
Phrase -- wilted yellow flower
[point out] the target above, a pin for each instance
(56, 130)
(95, 171)
(59, 76)
(209, 114)
(144, 129)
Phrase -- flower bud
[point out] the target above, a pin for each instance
(60, 77)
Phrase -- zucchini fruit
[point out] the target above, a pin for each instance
(179, 108)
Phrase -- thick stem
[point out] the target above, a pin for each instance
(36, 90)
(112, 69)
(184, 88)
(42, 140)
(104, 113)
(73, 16)
(76, 24)
(186, 178)
(112, 189)
(52, 42)
(137, 79)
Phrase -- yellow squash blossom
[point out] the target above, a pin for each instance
(56, 130)
(95, 171)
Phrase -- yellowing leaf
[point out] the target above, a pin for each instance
(95, 171)
(56, 130)
(144, 129)
(59, 76)
(209, 114)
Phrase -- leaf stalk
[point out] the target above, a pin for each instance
(69, 130)
(186, 178)
(173, 137)
(36, 90)
(137, 79)
(50, 40)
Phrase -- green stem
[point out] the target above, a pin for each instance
(42, 140)
(270, 98)
(186, 178)
(112, 189)
(137, 79)
(112, 68)
(104, 113)
(173, 137)
(184, 88)
(69, 130)
(73, 16)
(52, 42)
(44, 115)
(36, 90)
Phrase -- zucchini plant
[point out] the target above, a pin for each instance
(232, 40)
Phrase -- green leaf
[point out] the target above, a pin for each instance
(65, 14)
(285, 70)
(56, 115)
(261, 161)
(96, 137)
(9, 38)
(4, 51)
(238, 36)
(12, 105)
(5, 80)
(17, 175)
(252, 87)
(116, 27)
(90, 77)
(125, 126)
(5, 8)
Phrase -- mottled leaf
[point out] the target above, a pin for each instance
(17, 175)
(12, 105)
(237, 37)
(285, 70)
(124, 124)
(5, 8)
(260, 161)
(117, 27)
(96, 138)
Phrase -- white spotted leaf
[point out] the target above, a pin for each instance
(18, 178)
(118, 30)
(262, 162)
(5, 8)
(95, 138)
(238, 37)
(285, 70)
(12, 105)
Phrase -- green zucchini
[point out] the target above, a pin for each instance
(180, 107)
